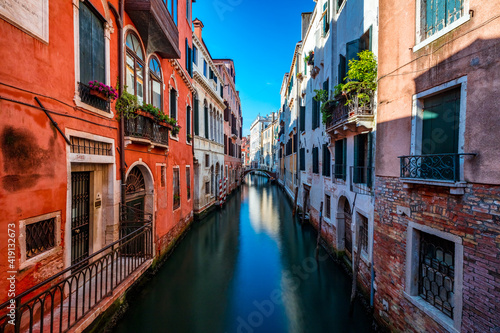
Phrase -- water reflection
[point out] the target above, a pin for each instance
(248, 268)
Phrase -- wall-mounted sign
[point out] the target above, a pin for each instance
(31, 16)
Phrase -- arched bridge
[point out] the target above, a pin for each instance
(268, 174)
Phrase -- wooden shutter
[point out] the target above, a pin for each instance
(441, 115)
(315, 160)
(342, 69)
(302, 118)
(352, 50)
(173, 104)
(92, 56)
(188, 120)
(302, 153)
(196, 116)
(314, 113)
(326, 160)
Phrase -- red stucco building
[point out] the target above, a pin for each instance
(69, 160)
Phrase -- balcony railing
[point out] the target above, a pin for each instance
(341, 113)
(440, 167)
(340, 173)
(147, 129)
(60, 302)
(361, 180)
(92, 100)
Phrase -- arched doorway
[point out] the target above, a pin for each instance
(139, 198)
(135, 192)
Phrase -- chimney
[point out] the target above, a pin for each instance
(198, 26)
(306, 19)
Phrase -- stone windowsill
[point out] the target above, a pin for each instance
(435, 314)
(455, 187)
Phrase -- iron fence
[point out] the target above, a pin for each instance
(58, 303)
(146, 128)
(339, 173)
(362, 179)
(443, 167)
(92, 100)
(342, 112)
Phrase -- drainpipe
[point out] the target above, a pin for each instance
(119, 20)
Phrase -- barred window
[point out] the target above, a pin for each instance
(437, 272)
(363, 232)
(40, 237)
(328, 203)
(177, 194)
(90, 147)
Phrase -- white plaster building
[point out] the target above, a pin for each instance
(256, 139)
(269, 137)
(208, 117)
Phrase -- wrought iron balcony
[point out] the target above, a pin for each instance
(145, 130)
(92, 100)
(60, 302)
(340, 173)
(352, 117)
(435, 167)
(156, 27)
(361, 180)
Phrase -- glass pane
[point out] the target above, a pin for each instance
(140, 83)
(156, 98)
(129, 74)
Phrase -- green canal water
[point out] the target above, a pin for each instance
(247, 268)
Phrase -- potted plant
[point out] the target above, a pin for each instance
(326, 104)
(300, 76)
(126, 105)
(102, 91)
(361, 80)
(148, 110)
(189, 137)
(310, 58)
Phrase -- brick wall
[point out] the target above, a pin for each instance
(474, 217)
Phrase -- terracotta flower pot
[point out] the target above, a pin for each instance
(99, 94)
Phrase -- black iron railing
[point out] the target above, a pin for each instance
(146, 128)
(444, 167)
(361, 180)
(92, 100)
(340, 173)
(59, 302)
(342, 112)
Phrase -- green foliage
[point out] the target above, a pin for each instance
(326, 104)
(149, 108)
(361, 79)
(126, 105)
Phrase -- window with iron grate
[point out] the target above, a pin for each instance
(40, 237)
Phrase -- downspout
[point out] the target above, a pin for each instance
(119, 16)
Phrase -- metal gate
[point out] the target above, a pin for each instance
(80, 216)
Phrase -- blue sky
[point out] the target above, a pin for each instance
(260, 37)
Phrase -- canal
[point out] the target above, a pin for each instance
(248, 268)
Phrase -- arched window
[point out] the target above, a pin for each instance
(155, 83)
(135, 67)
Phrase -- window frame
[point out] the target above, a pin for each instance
(154, 77)
(420, 40)
(417, 116)
(137, 60)
(412, 273)
(174, 187)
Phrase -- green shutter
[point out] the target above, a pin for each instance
(92, 54)
(302, 118)
(315, 160)
(342, 69)
(302, 153)
(196, 116)
(313, 122)
(173, 104)
(188, 120)
(441, 123)
(352, 50)
(326, 160)
(305, 66)
(369, 162)
(344, 158)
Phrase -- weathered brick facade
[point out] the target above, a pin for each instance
(474, 217)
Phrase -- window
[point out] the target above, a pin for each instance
(363, 232)
(207, 187)
(342, 69)
(340, 159)
(177, 194)
(435, 261)
(188, 182)
(316, 112)
(206, 121)
(315, 160)
(188, 122)
(302, 159)
(302, 118)
(195, 55)
(221, 91)
(173, 103)
(92, 54)
(205, 68)
(188, 11)
(163, 175)
(155, 83)
(172, 8)
(328, 204)
(196, 119)
(326, 160)
(438, 14)
(339, 4)
(207, 160)
(189, 61)
(40, 237)
(135, 67)
(326, 18)
(362, 159)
